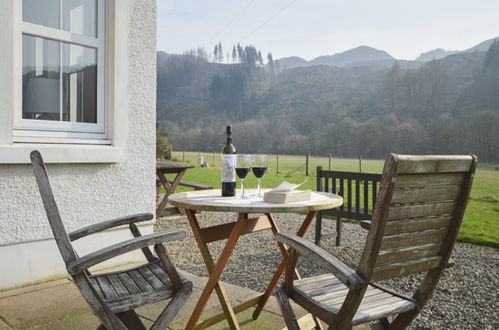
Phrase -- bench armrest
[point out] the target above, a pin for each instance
(95, 228)
(342, 272)
(115, 250)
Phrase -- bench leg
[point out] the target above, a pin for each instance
(318, 228)
(339, 224)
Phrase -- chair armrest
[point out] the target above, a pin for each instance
(342, 272)
(117, 249)
(92, 229)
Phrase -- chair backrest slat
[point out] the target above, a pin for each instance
(422, 200)
(60, 235)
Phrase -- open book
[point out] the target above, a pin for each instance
(286, 193)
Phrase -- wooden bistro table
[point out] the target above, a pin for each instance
(163, 168)
(211, 200)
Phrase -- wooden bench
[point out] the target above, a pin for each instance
(195, 186)
(359, 192)
(168, 210)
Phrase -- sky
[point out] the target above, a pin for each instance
(311, 28)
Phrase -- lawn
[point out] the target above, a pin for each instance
(481, 220)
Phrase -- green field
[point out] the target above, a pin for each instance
(481, 220)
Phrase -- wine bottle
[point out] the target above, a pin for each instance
(228, 166)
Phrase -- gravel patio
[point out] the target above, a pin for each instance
(466, 297)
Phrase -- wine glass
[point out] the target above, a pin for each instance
(259, 166)
(243, 166)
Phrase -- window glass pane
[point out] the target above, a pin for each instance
(80, 16)
(79, 83)
(44, 12)
(40, 78)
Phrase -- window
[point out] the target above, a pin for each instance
(63, 72)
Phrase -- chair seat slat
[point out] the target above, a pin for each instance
(151, 278)
(106, 287)
(129, 283)
(118, 285)
(141, 282)
(374, 302)
(160, 274)
(377, 312)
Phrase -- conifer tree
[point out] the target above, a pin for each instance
(234, 54)
(215, 53)
(220, 53)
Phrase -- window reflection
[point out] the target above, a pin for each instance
(41, 78)
(80, 16)
(39, 12)
(79, 83)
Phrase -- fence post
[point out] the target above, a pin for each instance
(277, 165)
(183, 156)
(330, 162)
(306, 162)
(360, 163)
(213, 158)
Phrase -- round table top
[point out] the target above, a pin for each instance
(212, 200)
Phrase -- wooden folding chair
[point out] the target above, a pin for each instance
(416, 219)
(114, 296)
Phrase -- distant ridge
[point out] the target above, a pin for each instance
(483, 46)
(435, 54)
(365, 56)
(291, 62)
(359, 54)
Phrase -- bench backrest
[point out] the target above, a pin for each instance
(359, 191)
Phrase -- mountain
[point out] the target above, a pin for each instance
(162, 58)
(359, 54)
(369, 107)
(435, 54)
(441, 53)
(483, 46)
(291, 62)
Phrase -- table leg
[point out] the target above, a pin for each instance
(215, 270)
(273, 282)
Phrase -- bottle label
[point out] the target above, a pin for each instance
(229, 168)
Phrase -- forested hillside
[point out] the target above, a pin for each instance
(444, 106)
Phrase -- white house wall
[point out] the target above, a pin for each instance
(88, 193)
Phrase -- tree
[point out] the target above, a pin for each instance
(215, 53)
(163, 146)
(234, 54)
(220, 53)
(270, 62)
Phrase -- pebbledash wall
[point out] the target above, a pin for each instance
(90, 183)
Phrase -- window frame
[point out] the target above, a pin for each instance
(46, 131)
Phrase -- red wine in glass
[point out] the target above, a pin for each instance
(243, 167)
(259, 171)
(259, 167)
(242, 172)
